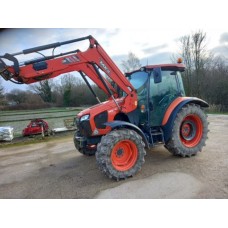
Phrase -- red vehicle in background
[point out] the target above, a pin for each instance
(35, 127)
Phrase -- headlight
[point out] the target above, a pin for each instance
(83, 118)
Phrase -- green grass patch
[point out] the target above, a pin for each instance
(20, 119)
(40, 111)
(30, 117)
(217, 113)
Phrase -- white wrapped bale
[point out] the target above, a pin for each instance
(6, 133)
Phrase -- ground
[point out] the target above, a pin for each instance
(54, 169)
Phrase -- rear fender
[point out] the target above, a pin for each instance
(122, 124)
(174, 108)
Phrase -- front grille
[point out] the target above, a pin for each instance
(85, 128)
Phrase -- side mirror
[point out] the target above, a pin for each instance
(157, 75)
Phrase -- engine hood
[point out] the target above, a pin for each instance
(104, 106)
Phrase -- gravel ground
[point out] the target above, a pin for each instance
(54, 169)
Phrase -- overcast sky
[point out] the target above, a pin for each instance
(151, 33)
(152, 46)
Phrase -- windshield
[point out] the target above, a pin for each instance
(138, 79)
(182, 91)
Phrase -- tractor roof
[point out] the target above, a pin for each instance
(176, 66)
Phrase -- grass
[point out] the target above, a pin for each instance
(21, 113)
(20, 119)
(218, 113)
(6, 119)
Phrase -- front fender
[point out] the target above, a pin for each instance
(173, 109)
(122, 124)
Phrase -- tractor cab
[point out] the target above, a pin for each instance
(157, 87)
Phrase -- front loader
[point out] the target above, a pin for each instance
(145, 108)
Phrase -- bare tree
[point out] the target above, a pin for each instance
(17, 96)
(21, 99)
(186, 54)
(132, 63)
(206, 76)
(195, 56)
(199, 54)
(216, 83)
(2, 97)
(44, 90)
(68, 84)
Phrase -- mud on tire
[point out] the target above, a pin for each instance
(120, 154)
(189, 131)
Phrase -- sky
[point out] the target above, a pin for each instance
(150, 30)
(149, 45)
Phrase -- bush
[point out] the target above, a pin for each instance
(217, 108)
(25, 106)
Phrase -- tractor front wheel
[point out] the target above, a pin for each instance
(120, 154)
(189, 131)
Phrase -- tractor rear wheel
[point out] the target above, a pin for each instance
(189, 131)
(120, 154)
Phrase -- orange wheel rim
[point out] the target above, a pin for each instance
(191, 130)
(124, 155)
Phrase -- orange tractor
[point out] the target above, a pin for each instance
(144, 108)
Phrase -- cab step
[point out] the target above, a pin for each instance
(156, 136)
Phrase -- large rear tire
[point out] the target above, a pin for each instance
(120, 154)
(189, 131)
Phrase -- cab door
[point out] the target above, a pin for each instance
(161, 95)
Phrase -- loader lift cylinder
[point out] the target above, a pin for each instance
(49, 46)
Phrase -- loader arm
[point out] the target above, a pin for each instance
(93, 62)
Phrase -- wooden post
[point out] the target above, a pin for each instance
(42, 130)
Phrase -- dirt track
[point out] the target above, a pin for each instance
(55, 170)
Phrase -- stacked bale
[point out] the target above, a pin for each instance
(6, 133)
